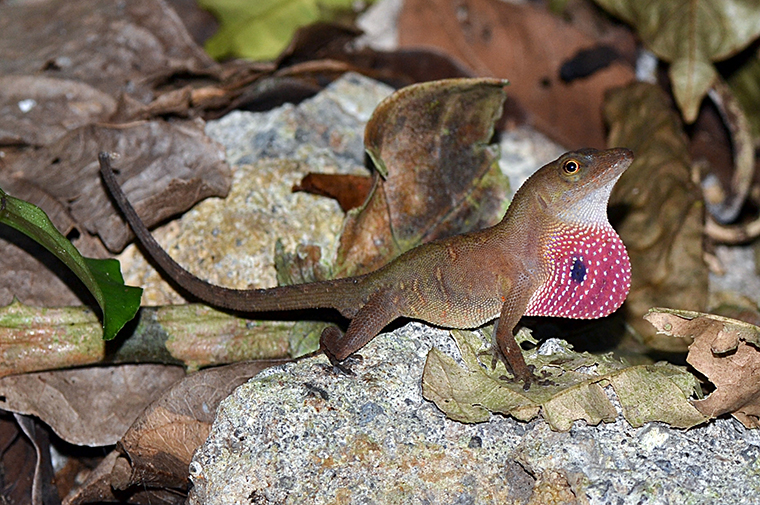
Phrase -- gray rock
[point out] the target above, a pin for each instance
(304, 434)
(301, 433)
(231, 241)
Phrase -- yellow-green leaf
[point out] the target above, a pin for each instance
(262, 29)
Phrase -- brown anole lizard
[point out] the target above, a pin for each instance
(553, 254)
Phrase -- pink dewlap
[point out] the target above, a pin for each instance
(589, 274)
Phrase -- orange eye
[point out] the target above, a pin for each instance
(570, 167)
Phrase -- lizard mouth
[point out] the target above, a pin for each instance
(613, 162)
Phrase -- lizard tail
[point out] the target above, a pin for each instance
(325, 294)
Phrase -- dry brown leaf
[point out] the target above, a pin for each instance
(26, 274)
(349, 190)
(44, 491)
(437, 175)
(526, 45)
(661, 210)
(88, 406)
(158, 447)
(112, 47)
(727, 352)
(40, 110)
(19, 461)
(165, 168)
(97, 489)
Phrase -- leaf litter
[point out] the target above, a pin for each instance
(595, 377)
(656, 208)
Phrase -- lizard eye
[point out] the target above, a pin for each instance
(570, 167)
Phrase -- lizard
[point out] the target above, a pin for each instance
(554, 253)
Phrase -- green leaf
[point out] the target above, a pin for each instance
(118, 302)
(262, 29)
(691, 34)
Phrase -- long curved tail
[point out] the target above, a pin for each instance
(337, 294)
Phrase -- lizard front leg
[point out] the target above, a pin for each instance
(511, 311)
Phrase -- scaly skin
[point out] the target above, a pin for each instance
(553, 254)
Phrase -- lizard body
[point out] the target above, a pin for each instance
(553, 254)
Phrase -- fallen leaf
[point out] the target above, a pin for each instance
(261, 30)
(499, 39)
(336, 42)
(43, 490)
(727, 208)
(96, 488)
(350, 191)
(691, 35)
(656, 209)
(573, 387)
(25, 274)
(40, 110)
(727, 352)
(745, 84)
(88, 406)
(166, 168)
(18, 462)
(110, 47)
(436, 175)
(158, 447)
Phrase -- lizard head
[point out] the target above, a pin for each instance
(576, 187)
(588, 273)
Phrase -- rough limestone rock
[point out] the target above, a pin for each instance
(300, 433)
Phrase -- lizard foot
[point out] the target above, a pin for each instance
(344, 367)
(522, 372)
(333, 334)
(530, 379)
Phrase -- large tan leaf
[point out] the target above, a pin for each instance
(662, 213)
(528, 45)
(438, 174)
(691, 35)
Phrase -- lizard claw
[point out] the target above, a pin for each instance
(344, 367)
(527, 376)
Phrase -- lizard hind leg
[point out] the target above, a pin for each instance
(375, 315)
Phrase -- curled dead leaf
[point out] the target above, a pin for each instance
(727, 352)
(438, 174)
(158, 447)
(574, 389)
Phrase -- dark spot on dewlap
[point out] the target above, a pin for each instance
(578, 272)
